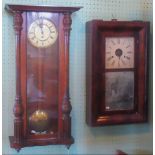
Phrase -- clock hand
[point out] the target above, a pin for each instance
(42, 32)
(41, 27)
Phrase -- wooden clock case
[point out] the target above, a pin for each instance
(96, 31)
(24, 65)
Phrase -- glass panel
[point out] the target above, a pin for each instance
(119, 91)
(42, 77)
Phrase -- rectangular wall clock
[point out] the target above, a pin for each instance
(117, 74)
(42, 108)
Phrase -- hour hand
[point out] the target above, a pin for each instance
(41, 23)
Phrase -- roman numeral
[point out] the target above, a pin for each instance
(33, 37)
(113, 63)
(118, 41)
(31, 33)
(52, 31)
(109, 58)
(128, 46)
(127, 57)
(113, 42)
(123, 62)
(37, 42)
(108, 52)
(129, 52)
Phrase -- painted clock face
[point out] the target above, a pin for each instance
(42, 33)
(119, 52)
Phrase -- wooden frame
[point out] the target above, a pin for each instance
(96, 31)
(21, 136)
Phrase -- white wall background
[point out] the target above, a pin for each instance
(133, 139)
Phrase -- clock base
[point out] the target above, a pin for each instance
(40, 142)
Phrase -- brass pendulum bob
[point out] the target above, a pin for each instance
(39, 119)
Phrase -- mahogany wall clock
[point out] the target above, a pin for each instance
(42, 108)
(116, 72)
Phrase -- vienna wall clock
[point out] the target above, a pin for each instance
(116, 72)
(42, 108)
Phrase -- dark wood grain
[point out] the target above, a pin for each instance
(119, 152)
(18, 108)
(22, 8)
(66, 106)
(42, 71)
(96, 31)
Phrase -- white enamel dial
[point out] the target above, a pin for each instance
(119, 52)
(42, 33)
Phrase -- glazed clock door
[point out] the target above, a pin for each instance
(42, 106)
(119, 73)
(42, 73)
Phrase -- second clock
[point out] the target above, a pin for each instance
(116, 72)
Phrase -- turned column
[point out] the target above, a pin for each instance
(66, 106)
(18, 110)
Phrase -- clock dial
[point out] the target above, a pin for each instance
(119, 52)
(42, 33)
